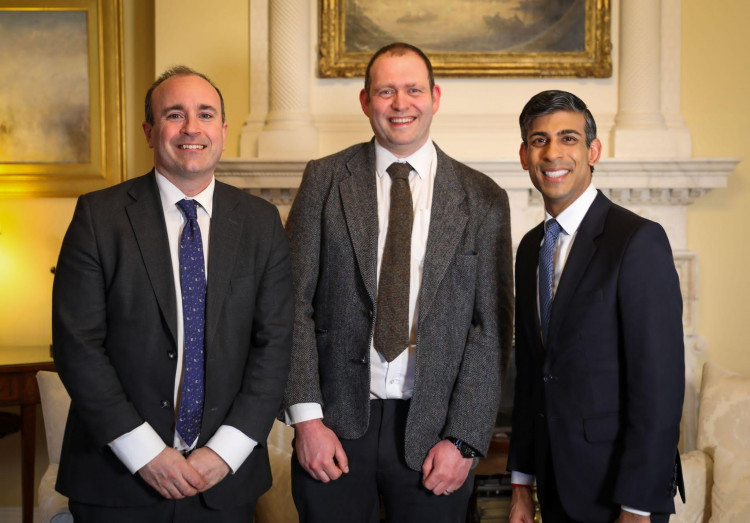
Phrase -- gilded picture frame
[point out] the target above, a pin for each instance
(471, 38)
(61, 119)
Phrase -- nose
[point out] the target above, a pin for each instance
(190, 125)
(554, 149)
(398, 102)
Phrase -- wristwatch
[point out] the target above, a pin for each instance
(464, 448)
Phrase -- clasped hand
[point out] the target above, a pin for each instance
(176, 477)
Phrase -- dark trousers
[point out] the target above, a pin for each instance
(377, 471)
(187, 510)
(552, 508)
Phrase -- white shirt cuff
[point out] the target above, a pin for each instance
(137, 447)
(519, 478)
(300, 412)
(635, 511)
(232, 445)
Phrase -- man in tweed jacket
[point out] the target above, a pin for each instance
(404, 430)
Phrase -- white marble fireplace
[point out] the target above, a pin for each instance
(647, 164)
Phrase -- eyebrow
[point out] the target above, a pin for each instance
(558, 133)
(180, 107)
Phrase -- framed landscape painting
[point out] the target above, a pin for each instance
(514, 38)
(61, 108)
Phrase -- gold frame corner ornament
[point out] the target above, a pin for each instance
(106, 165)
(594, 62)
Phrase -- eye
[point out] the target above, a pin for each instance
(173, 116)
(538, 141)
(385, 93)
(570, 139)
(415, 90)
(205, 116)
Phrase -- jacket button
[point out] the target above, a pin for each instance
(165, 404)
(171, 355)
(547, 378)
(363, 360)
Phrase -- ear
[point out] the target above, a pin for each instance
(364, 101)
(224, 136)
(435, 98)
(147, 129)
(595, 151)
(522, 154)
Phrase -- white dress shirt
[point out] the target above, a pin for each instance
(139, 446)
(570, 220)
(395, 380)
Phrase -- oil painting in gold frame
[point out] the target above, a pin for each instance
(471, 38)
(61, 121)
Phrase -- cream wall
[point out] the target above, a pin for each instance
(716, 71)
(715, 91)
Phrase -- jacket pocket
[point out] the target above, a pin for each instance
(601, 428)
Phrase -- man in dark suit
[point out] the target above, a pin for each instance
(599, 347)
(400, 419)
(125, 321)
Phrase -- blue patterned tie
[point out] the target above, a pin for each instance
(193, 284)
(547, 273)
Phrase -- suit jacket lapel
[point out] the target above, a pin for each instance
(447, 223)
(360, 205)
(527, 283)
(580, 255)
(147, 219)
(226, 228)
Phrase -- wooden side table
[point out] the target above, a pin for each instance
(18, 368)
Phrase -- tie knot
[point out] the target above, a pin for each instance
(189, 208)
(399, 170)
(552, 229)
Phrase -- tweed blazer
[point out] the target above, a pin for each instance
(465, 300)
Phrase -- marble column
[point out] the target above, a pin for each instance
(640, 130)
(289, 132)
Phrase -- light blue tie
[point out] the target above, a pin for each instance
(547, 273)
(193, 284)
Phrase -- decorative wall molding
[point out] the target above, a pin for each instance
(627, 181)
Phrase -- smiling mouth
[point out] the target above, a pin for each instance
(402, 119)
(192, 147)
(556, 174)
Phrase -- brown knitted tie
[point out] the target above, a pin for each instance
(392, 325)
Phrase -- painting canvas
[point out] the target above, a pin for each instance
(45, 115)
(467, 25)
(61, 96)
(471, 37)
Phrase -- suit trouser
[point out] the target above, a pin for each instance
(552, 508)
(187, 510)
(377, 469)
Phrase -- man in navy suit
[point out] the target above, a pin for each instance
(600, 371)
(118, 337)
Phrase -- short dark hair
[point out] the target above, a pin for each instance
(178, 70)
(399, 49)
(548, 102)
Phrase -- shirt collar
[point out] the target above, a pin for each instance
(570, 219)
(170, 194)
(420, 160)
